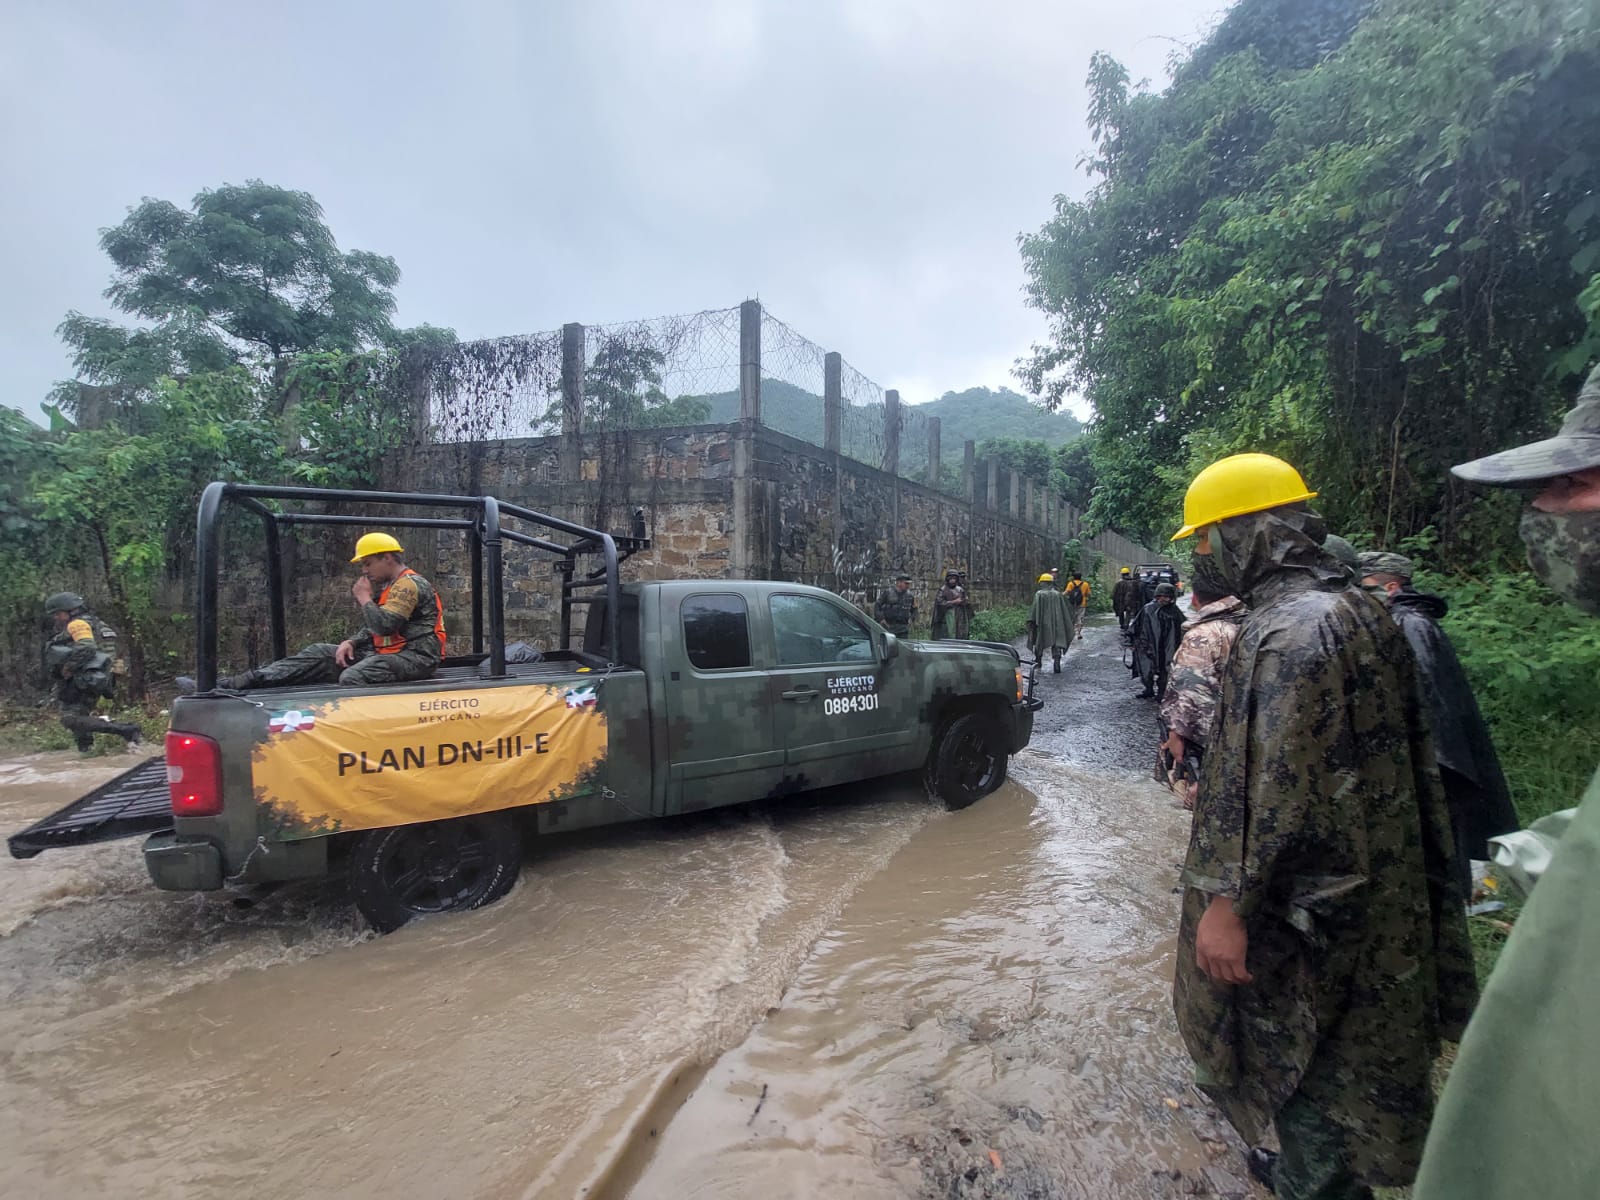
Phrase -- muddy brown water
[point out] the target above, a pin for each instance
(847, 994)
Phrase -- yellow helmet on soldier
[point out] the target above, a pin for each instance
(1125, 571)
(375, 543)
(1047, 578)
(1240, 484)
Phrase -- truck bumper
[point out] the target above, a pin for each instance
(1022, 722)
(178, 866)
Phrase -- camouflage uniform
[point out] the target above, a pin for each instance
(1049, 625)
(1321, 815)
(81, 670)
(1191, 700)
(1517, 1115)
(1125, 599)
(895, 610)
(402, 639)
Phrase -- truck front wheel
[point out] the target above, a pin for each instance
(437, 866)
(968, 761)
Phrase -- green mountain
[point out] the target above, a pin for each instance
(972, 415)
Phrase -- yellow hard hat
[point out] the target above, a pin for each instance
(1047, 578)
(1124, 570)
(375, 543)
(1239, 484)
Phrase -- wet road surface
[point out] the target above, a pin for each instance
(899, 990)
(990, 1016)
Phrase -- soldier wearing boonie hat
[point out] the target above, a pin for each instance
(1513, 1117)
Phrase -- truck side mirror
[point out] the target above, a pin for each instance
(891, 647)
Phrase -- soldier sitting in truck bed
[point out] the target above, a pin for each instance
(402, 636)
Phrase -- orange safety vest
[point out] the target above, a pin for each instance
(393, 643)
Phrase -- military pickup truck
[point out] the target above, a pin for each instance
(669, 698)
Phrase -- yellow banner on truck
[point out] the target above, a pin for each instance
(366, 762)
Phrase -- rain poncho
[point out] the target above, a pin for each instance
(1049, 622)
(1474, 786)
(1320, 813)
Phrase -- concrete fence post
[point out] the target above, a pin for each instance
(994, 484)
(969, 460)
(745, 549)
(933, 452)
(832, 400)
(891, 432)
(750, 360)
(573, 352)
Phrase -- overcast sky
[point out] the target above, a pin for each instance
(863, 166)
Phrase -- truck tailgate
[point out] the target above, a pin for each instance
(134, 802)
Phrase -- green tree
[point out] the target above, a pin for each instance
(248, 273)
(1363, 236)
(126, 501)
(622, 390)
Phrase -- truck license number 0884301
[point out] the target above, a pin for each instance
(834, 706)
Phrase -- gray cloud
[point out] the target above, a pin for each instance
(862, 165)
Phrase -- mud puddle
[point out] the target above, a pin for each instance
(155, 1044)
(989, 1017)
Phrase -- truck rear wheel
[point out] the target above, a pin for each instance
(968, 761)
(438, 866)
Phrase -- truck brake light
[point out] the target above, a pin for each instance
(194, 775)
(1019, 685)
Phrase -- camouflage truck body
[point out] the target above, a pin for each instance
(721, 692)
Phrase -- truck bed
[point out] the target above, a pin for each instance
(133, 803)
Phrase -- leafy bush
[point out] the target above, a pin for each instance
(1000, 624)
(1532, 660)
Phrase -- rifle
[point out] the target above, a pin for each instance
(1170, 770)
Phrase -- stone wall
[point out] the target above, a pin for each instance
(729, 501)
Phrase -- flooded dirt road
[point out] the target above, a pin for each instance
(912, 989)
(991, 1014)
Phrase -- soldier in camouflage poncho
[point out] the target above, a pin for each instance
(1322, 949)
(1518, 1113)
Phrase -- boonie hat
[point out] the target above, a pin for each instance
(1575, 448)
(1384, 562)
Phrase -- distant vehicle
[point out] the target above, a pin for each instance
(684, 695)
(1151, 576)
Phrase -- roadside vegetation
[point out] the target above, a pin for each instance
(1363, 235)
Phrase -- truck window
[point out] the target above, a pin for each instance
(716, 631)
(811, 630)
(595, 630)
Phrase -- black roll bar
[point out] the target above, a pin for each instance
(481, 519)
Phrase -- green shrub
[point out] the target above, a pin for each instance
(1000, 624)
(1532, 660)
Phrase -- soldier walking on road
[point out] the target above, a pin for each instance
(1125, 598)
(402, 636)
(1516, 1117)
(1475, 788)
(1322, 950)
(896, 607)
(1155, 634)
(81, 669)
(1049, 623)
